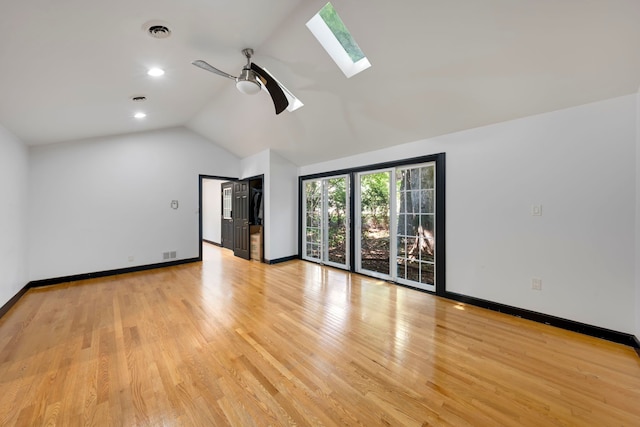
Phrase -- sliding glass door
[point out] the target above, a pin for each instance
(312, 221)
(394, 218)
(337, 218)
(395, 225)
(326, 221)
(415, 226)
(373, 223)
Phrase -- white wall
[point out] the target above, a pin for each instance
(637, 256)
(14, 180)
(255, 165)
(95, 203)
(280, 202)
(283, 207)
(212, 210)
(579, 164)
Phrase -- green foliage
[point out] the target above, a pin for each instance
(337, 27)
(335, 191)
(375, 197)
(337, 210)
(313, 192)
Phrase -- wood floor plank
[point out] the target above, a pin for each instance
(240, 343)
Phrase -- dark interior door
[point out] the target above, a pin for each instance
(227, 215)
(241, 219)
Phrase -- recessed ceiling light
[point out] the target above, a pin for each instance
(155, 72)
(139, 115)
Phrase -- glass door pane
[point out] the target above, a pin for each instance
(374, 220)
(326, 221)
(336, 217)
(226, 203)
(312, 244)
(415, 227)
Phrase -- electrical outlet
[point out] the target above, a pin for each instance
(536, 284)
(536, 210)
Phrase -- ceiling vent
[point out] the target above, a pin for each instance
(139, 98)
(159, 31)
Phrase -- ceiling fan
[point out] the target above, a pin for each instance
(251, 80)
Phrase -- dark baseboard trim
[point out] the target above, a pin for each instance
(583, 328)
(5, 308)
(211, 242)
(279, 260)
(636, 343)
(76, 277)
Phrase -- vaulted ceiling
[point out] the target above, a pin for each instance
(68, 68)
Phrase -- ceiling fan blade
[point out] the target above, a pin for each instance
(205, 66)
(280, 101)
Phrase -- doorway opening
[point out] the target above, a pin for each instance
(231, 215)
(211, 210)
(248, 218)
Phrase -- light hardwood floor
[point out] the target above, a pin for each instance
(234, 342)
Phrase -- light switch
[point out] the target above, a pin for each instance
(174, 204)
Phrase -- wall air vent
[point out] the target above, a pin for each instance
(169, 255)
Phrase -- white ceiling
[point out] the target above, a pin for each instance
(69, 67)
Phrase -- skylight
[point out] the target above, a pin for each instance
(330, 31)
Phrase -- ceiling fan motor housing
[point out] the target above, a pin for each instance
(247, 82)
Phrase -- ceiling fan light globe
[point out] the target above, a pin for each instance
(248, 87)
(247, 82)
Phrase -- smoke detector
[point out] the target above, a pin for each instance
(157, 29)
